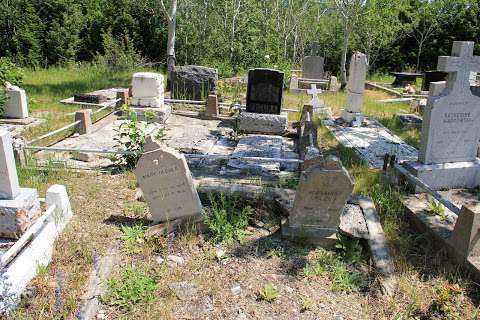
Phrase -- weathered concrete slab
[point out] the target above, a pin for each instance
(372, 142)
(258, 146)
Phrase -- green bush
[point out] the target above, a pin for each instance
(119, 53)
(10, 72)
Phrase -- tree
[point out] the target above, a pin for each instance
(172, 22)
(350, 12)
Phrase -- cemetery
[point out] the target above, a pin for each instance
(182, 179)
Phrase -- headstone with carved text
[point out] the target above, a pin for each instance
(167, 184)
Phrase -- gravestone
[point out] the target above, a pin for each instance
(333, 84)
(19, 207)
(211, 109)
(265, 91)
(322, 193)
(193, 82)
(355, 87)
(16, 106)
(432, 76)
(312, 67)
(148, 96)
(450, 131)
(167, 184)
(147, 89)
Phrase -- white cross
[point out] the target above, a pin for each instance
(315, 102)
(314, 91)
(459, 66)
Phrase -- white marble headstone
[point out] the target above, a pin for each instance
(16, 106)
(9, 186)
(450, 130)
(147, 89)
(167, 184)
(356, 82)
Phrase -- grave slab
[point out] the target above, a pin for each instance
(372, 142)
(258, 146)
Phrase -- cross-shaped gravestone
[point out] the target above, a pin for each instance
(459, 66)
(9, 186)
(315, 102)
(450, 131)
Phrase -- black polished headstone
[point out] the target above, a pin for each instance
(432, 76)
(265, 91)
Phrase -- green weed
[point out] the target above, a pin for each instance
(268, 293)
(438, 209)
(308, 304)
(130, 287)
(226, 219)
(132, 235)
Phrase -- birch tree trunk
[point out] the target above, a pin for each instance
(172, 23)
(343, 60)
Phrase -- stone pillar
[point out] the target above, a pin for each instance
(16, 106)
(355, 87)
(211, 110)
(123, 95)
(9, 186)
(85, 126)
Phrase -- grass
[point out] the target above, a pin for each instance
(268, 293)
(46, 87)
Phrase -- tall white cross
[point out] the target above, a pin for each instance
(459, 66)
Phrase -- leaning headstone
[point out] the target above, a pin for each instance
(321, 196)
(167, 184)
(312, 67)
(450, 131)
(355, 87)
(193, 82)
(264, 103)
(19, 207)
(16, 106)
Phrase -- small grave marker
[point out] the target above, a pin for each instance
(167, 184)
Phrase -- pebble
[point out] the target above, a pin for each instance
(220, 253)
(236, 289)
(176, 259)
(159, 259)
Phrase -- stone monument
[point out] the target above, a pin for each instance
(450, 131)
(264, 103)
(355, 88)
(16, 106)
(19, 207)
(167, 183)
(148, 96)
(322, 193)
(193, 82)
(312, 67)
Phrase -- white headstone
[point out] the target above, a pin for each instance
(16, 106)
(9, 186)
(147, 89)
(450, 130)
(167, 183)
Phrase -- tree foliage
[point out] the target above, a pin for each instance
(234, 35)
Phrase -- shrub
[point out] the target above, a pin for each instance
(119, 53)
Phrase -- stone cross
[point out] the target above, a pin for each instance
(459, 66)
(314, 91)
(450, 129)
(9, 186)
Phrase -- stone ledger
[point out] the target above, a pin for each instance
(320, 199)
(263, 123)
(167, 184)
